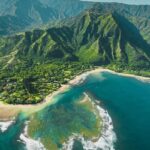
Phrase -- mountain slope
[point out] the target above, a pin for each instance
(93, 37)
(24, 14)
(27, 14)
(110, 38)
(124, 9)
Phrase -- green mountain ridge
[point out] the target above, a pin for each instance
(24, 15)
(32, 13)
(108, 37)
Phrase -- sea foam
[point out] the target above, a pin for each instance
(5, 125)
(106, 140)
(30, 143)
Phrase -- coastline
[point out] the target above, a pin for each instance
(9, 111)
(141, 78)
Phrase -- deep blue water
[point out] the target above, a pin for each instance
(127, 101)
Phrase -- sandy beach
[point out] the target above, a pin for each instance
(141, 78)
(7, 111)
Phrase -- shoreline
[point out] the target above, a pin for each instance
(141, 78)
(9, 111)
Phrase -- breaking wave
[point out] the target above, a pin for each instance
(5, 125)
(106, 140)
(30, 143)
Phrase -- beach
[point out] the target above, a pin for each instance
(9, 111)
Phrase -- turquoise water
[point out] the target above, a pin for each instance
(127, 101)
(9, 139)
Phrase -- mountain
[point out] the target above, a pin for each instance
(34, 63)
(93, 36)
(124, 9)
(32, 13)
(139, 15)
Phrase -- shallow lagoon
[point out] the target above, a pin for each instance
(126, 99)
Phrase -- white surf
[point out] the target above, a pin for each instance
(5, 125)
(107, 136)
(30, 143)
